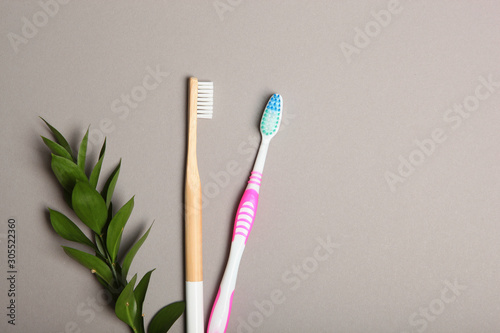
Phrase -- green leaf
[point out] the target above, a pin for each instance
(89, 206)
(82, 152)
(100, 247)
(67, 229)
(166, 317)
(94, 176)
(101, 281)
(132, 252)
(103, 149)
(115, 228)
(67, 198)
(59, 138)
(109, 187)
(126, 306)
(110, 216)
(96, 265)
(105, 229)
(140, 293)
(67, 172)
(57, 149)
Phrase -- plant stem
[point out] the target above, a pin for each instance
(111, 264)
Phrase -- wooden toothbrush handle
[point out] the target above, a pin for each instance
(193, 231)
(193, 225)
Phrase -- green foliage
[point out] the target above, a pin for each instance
(59, 138)
(82, 153)
(96, 265)
(132, 252)
(89, 206)
(94, 176)
(67, 172)
(166, 317)
(126, 305)
(115, 228)
(140, 295)
(95, 210)
(109, 187)
(57, 149)
(67, 229)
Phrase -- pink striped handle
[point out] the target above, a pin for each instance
(247, 208)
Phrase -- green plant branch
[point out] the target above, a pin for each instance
(94, 210)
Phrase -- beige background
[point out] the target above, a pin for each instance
(348, 121)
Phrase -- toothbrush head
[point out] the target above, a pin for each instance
(271, 118)
(205, 100)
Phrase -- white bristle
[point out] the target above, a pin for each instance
(205, 100)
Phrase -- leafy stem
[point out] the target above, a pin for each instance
(108, 259)
(95, 210)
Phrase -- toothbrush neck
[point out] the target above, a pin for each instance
(261, 156)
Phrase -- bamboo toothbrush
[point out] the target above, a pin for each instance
(200, 105)
(245, 217)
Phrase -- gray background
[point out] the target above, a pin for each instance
(348, 119)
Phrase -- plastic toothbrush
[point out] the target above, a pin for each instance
(245, 217)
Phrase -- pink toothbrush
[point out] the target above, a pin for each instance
(245, 217)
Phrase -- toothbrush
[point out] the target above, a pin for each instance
(245, 217)
(200, 105)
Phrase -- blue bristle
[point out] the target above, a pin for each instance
(270, 120)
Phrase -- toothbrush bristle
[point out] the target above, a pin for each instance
(271, 118)
(205, 101)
